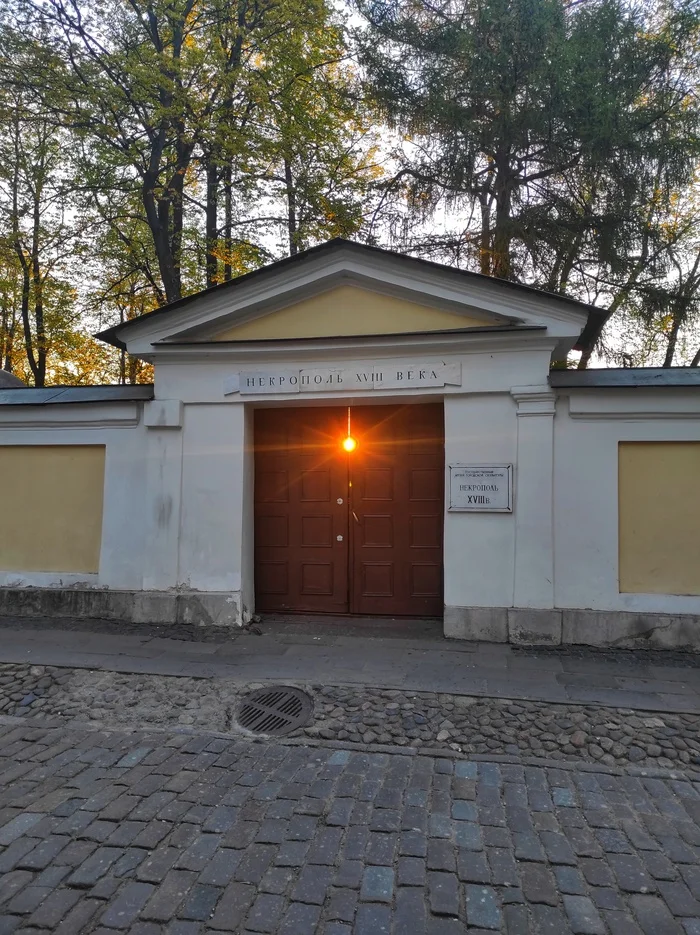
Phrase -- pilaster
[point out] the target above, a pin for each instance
(163, 419)
(533, 584)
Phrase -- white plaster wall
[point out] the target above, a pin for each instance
(161, 516)
(585, 489)
(247, 517)
(483, 371)
(122, 551)
(213, 485)
(479, 547)
(123, 533)
(216, 523)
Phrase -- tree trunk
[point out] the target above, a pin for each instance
(211, 234)
(164, 204)
(501, 267)
(23, 261)
(176, 189)
(228, 222)
(291, 209)
(133, 369)
(672, 341)
(485, 238)
(38, 291)
(122, 352)
(158, 217)
(24, 303)
(26, 323)
(7, 362)
(177, 216)
(9, 327)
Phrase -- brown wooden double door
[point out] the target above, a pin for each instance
(358, 532)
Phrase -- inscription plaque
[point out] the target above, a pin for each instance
(481, 488)
(380, 375)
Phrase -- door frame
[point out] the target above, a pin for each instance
(248, 593)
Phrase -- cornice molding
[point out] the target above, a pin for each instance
(534, 400)
(650, 403)
(71, 416)
(364, 348)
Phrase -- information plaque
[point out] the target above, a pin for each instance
(481, 488)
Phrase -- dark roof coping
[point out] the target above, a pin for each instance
(623, 377)
(51, 395)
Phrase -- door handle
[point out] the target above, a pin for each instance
(355, 515)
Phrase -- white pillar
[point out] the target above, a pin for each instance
(163, 419)
(534, 478)
(213, 491)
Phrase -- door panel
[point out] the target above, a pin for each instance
(300, 565)
(397, 497)
(390, 520)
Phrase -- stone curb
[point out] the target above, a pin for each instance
(121, 667)
(678, 709)
(435, 753)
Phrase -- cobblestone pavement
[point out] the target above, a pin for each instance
(611, 736)
(161, 832)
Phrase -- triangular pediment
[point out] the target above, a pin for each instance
(348, 311)
(343, 290)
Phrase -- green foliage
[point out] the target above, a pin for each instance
(191, 142)
(164, 93)
(36, 240)
(317, 138)
(151, 148)
(557, 135)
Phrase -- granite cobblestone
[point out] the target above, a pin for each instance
(608, 736)
(271, 840)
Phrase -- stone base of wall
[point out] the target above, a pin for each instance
(519, 625)
(609, 628)
(197, 608)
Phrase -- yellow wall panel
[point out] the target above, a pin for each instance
(659, 517)
(52, 507)
(348, 310)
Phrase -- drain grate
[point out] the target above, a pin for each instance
(275, 710)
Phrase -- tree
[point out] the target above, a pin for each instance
(161, 146)
(131, 85)
(36, 240)
(156, 89)
(10, 299)
(558, 134)
(123, 286)
(663, 312)
(318, 141)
